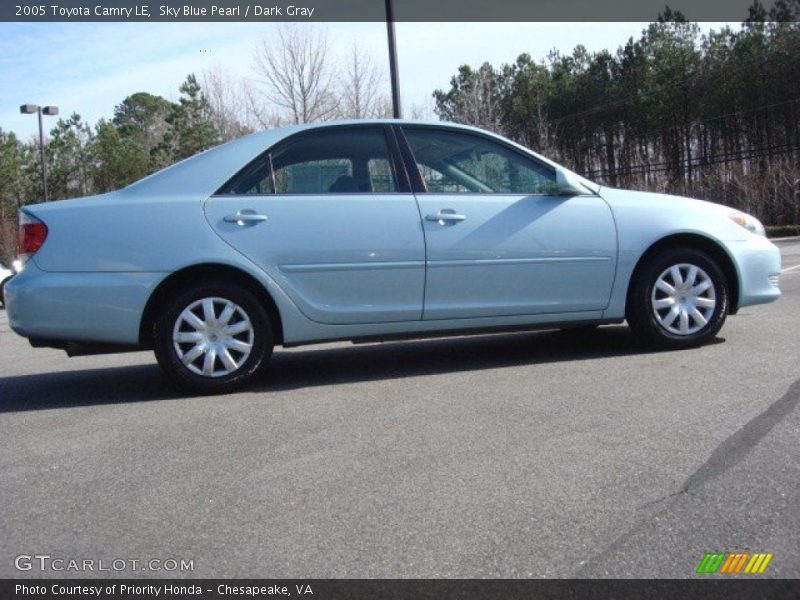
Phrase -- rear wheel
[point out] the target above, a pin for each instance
(213, 338)
(680, 299)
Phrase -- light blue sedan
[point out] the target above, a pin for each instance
(372, 230)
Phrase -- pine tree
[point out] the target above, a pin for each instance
(191, 124)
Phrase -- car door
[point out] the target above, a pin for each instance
(500, 239)
(327, 216)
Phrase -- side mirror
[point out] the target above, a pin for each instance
(568, 184)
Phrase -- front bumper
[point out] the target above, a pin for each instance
(758, 264)
(91, 307)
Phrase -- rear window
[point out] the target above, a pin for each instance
(328, 161)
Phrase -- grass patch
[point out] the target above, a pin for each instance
(775, 231)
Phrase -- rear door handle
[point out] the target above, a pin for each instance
(245, 216)
(446, 215)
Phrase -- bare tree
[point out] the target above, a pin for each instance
(294, 75)
(474, 98)
(228, 102)
(423, 111)
(361, 96)
(482, 102)
(259, 114)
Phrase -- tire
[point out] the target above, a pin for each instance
(692, 314)
(199, 363)
(3, 290)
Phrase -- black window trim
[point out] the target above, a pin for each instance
(272, 187)
(396, 162)
(418, 185)
(418, 181)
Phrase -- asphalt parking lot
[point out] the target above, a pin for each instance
(525, 455)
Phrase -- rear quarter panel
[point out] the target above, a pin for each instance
(108, 233)
(100, 246)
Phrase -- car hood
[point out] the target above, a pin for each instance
(666, 201)
(664, 214)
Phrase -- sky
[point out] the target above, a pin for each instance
(89, 68)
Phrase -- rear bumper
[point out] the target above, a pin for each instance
(758, 262)
(80, 307)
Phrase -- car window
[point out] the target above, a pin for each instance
(312, 176)
(381, 176)
(458, 162)
(328, 161)
(438, 182)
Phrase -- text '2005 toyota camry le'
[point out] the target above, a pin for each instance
(372, 230)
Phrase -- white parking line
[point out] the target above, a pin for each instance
(790, 269)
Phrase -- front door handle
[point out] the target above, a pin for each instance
(245, 216)
(446, 215)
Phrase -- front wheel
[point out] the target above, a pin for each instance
(679, 299)
(213, 338)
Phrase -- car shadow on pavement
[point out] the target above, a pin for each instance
(306, 368)
(87, 387)
(369, 362)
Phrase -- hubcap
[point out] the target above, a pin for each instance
(213, 337)
(683, 299)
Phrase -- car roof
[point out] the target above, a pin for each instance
(290, 129)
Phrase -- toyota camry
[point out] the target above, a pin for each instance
(372, 230)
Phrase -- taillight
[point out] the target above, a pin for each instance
(32, 234)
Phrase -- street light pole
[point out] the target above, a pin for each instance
(29, 109)
(41, 153)
(396, 111)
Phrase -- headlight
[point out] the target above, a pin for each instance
(749, 222)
